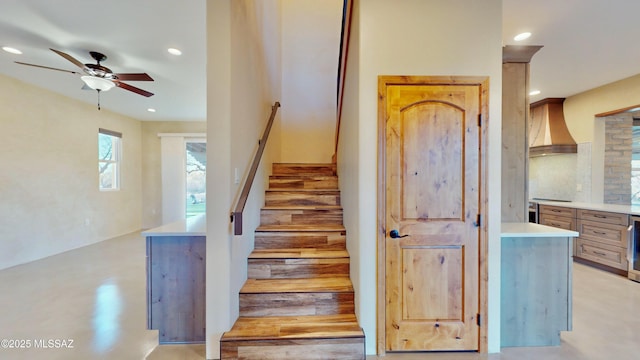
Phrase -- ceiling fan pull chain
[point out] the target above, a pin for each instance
(98, 98)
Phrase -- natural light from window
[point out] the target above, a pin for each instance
(109, 155)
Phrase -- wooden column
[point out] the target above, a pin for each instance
(515, 128)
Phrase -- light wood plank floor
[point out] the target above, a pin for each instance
(96, 296)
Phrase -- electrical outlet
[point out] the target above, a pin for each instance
(578, 187)
(236, 176)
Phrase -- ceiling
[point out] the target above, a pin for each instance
(133, 34)
(587, 43)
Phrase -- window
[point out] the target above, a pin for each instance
(196, 176)
(109, 156)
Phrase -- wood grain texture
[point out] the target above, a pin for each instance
(293, 304)
(294, 327)
(301, 215)
(297, 263)
(299, 169)
(303, 182)
(304, 197)
(298, 300)
(515, 144)
(296, 285)
(314, 238)
(177, 267)
(536, 290)
(432, 195)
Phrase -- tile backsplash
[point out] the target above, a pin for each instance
(562, 177)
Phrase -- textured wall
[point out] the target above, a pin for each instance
(50, 202)
(617, 159)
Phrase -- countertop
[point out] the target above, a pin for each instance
(512, 230)
(622, 209)
(193, 226)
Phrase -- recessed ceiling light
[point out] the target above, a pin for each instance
(174, 51)
(534, 92)
(522, 36)
(11, 50)
(151, 110)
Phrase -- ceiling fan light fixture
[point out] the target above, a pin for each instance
(98, 83)
(11, 50)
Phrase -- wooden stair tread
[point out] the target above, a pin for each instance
(305, 285)
(306, 253)
(304, 176)
(301, 228)
(302, 207)
(312, 191)
(294, 327)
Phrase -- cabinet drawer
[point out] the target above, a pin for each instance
(604, 217)
(562, 222)
(557, 210)
(604, 254)
(614, 235)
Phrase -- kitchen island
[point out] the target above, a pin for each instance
(176, 265)
(536, 284)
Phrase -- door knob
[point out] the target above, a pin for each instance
(394, 234)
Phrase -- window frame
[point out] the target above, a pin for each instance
(115, 160)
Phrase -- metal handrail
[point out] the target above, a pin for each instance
(236, 215)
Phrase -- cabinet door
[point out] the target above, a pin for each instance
(558, 211)
(562, 222)
(601, 253)
(604, 217)
(613, 235)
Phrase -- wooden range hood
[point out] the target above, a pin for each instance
(548, 133)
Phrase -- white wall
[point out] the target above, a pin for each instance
(310, 47)
(50, 202)
(243, 81)
(413, 37)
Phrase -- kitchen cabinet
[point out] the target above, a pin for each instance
(558, 216)
(604, 238)
(536, 284)
(176, 277)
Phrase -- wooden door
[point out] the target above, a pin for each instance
(432, 178)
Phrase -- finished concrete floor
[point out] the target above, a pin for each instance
(96, 297)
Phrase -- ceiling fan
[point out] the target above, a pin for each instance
(98, 77)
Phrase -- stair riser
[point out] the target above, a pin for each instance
(290, 182)
(300, 240)
(303, 199)
(297, 268)
(300, 217)
(312, 349)
(304, 169)
(296, 304)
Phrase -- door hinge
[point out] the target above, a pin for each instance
(479, 120)
(478, 320)
(477, 223)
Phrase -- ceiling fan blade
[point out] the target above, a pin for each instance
(47, 67)
(69, 57)
(134, 77)
(133, 89)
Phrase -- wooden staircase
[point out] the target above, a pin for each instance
(298, 301)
